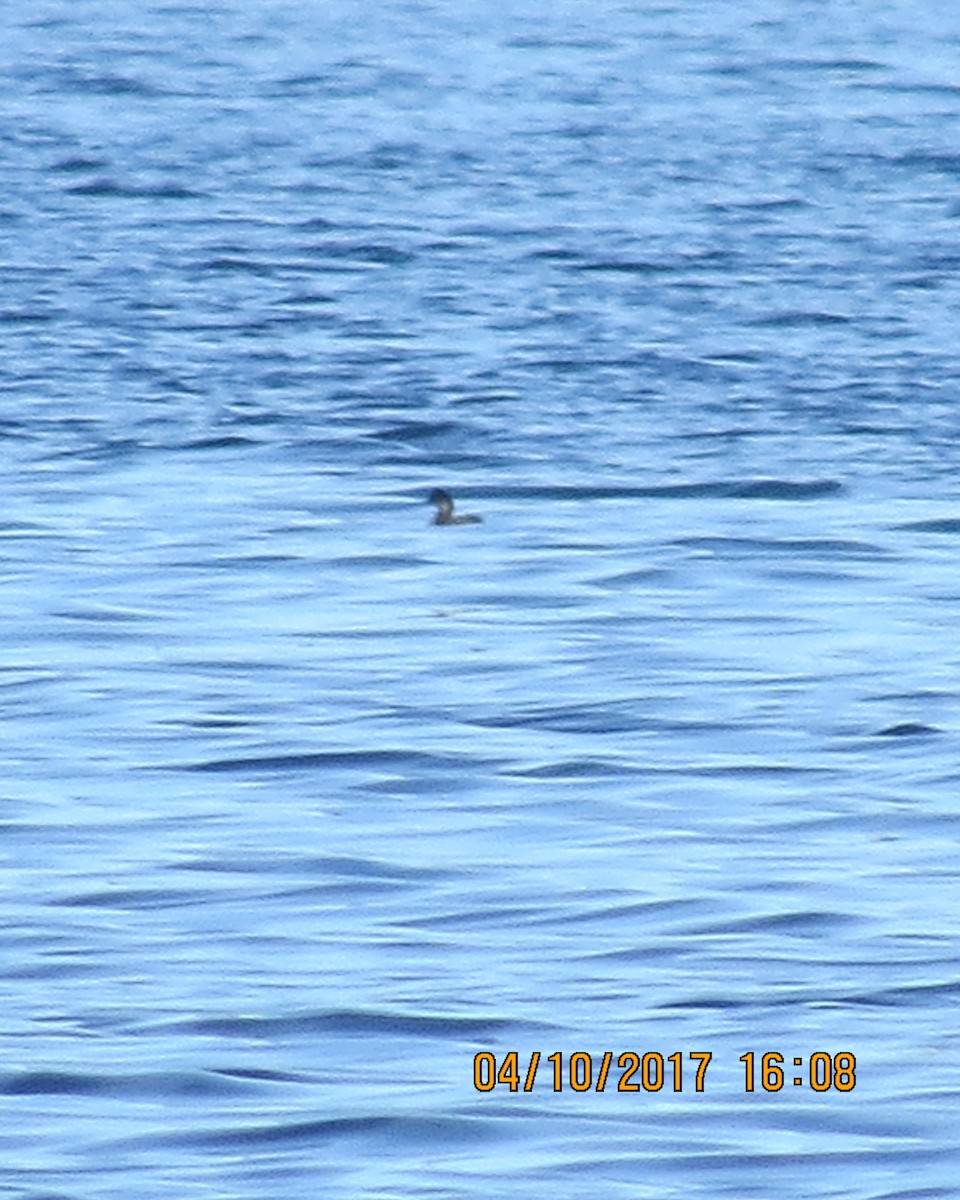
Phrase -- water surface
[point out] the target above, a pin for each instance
(308, 802)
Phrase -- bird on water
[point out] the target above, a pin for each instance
(443, 503)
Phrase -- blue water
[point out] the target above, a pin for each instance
(307, 802)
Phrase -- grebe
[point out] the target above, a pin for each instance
(443, 502)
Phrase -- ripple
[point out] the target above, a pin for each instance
(329, 759)
(350, 1022)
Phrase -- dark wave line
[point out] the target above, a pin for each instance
(350, 1021)
(738, 489)
(324, 758)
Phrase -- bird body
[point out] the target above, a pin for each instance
(443, 502)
